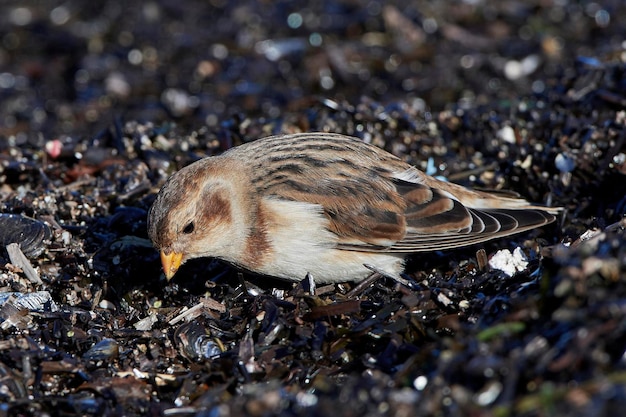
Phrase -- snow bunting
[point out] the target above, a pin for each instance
(324, 204)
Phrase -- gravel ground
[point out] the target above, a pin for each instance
(100, 102)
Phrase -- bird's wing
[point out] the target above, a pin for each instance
(375, 202)
(435, 219)
(348, 179)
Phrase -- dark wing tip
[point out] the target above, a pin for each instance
(516, 220)
(487, 224)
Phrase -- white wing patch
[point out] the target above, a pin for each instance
(410, 175)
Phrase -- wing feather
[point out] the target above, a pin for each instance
(375, 202)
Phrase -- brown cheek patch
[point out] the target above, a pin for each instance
(215, 211)
(218, 209)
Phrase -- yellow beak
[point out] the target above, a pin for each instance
(171, 262)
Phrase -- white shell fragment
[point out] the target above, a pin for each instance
(509, 263)
(34, 301)
(20, 260)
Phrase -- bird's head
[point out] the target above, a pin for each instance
(199, 212)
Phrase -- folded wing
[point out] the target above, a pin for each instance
(436, 220)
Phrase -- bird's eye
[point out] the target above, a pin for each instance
(189, 228)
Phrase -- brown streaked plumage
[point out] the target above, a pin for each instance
(323, 204)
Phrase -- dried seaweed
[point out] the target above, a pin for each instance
(101, 104)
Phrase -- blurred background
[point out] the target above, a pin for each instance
(68, 68)
(100, 101)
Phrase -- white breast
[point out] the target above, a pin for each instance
(301, 242)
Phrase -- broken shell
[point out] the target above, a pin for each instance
(103, 350)
(195, 343)
(30, 234)
(34, 301)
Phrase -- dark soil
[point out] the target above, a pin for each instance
(101, 101)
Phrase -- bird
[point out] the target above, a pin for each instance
(322, 205)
